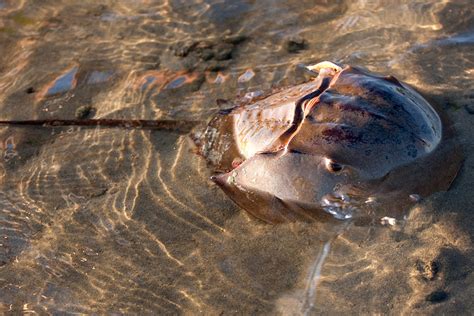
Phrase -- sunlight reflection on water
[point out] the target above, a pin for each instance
(126, 221)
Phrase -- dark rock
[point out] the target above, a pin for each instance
(206, 54)
(215, 66)
(216, 53)
(295, 44)
(469, 108)
(223, 51)
(98, 192)
(84, 112)
(197, 83)
(183, 49)
(151, 61)
(204, 44)
(222, 102)
(437, 296)
(190, 63)
(30, 90)
(235, 39)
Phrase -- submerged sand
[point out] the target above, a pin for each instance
(120, 221)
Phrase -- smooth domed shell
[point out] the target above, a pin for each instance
(366, 119)
(331, 144)
(244, 131)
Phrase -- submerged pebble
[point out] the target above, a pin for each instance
(415, 197)
(209, 54)
(437, 296)
(223, 51)
(30, 90)
(295, 44)
(469, 108)
(84, 112)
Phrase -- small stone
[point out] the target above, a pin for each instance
(223, 51)
(437, 296)
(469, 108)
(207, 54)
(183, 49)
(197, 83)
(235, 39)
(84, 112)
(295, 44)
(30, 90)
(415, 197)
(205, 44)
(215, 66)
(190, 63)
(151, 61)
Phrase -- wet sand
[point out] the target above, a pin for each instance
(119, 221)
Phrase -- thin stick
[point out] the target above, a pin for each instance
(180, 126)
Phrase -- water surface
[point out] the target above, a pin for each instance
(121, 221)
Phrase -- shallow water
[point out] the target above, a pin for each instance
(125, 221)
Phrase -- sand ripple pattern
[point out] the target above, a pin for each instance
(121, 221)
(127, 221)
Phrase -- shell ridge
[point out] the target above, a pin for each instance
(302, 107)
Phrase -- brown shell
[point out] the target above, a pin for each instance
(334, 145)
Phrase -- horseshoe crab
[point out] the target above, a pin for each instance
(346, 141)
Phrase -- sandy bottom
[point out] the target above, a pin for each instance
(125, 221)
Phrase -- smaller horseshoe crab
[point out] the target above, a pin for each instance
(347, 140)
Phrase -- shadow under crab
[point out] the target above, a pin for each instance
(346, 141)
